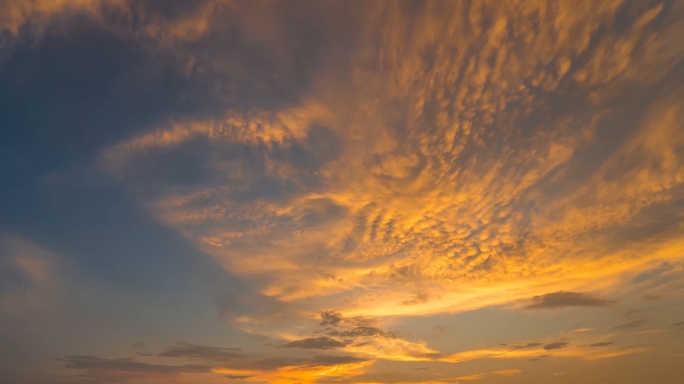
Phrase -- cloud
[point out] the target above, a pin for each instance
(556, 345)
(567, 299)
(187, 350)
(364, 332)
(331, 318)
(540, 357)
(460, 177)
(125, 369)
(299, 369)
(29, 275)
(631, 324)
(477, 376)
(253, 367)
(139, 345)
(602, 344)
(326, 360)
(523, 346)
(508, 372)
(19, 13)
(316, 343)
(336, 319)
(389, 160)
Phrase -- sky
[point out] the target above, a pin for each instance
(248, 191)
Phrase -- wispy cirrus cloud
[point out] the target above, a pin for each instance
(632, 324)
(30, 275)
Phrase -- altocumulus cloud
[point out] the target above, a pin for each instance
(407, 169)
(446, 181)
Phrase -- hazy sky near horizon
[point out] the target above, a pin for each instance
(219, 191)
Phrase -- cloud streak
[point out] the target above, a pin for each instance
(187, 350)
(567, 299)
(118, 370)
(631, 324)
(315, 343)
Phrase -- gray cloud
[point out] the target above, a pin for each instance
(139, 345)
(556, 345)
(237, 377)
(316, 343)
(188, 350)
(631, 324)
(522, 346)
(567, 299)
(125, 369)
(330, 318)
(365, 332)
(540, 357)
(316, 361)
(352, 327)
(335, 318)
(515, 347)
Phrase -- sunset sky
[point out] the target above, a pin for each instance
(218, 191)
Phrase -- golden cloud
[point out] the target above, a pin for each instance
(443, 159)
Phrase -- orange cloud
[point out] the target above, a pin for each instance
(298, 373)
(508, 372)
(32, 265)
(444, 160)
